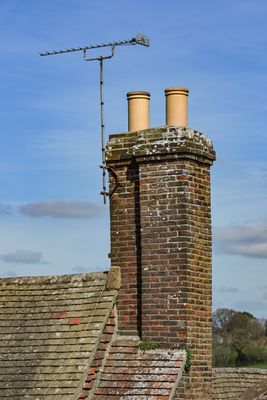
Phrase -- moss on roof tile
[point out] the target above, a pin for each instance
(49, 331)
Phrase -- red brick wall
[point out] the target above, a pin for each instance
(125, 248)
(161, 239)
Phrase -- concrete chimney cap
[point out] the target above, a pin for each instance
(183, 91)
(138, 95)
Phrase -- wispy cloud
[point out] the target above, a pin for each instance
(5, 209)
(227, 289)
(64, 149)
(251, 305)
(79, 270)
(61, 209)
(249, 239)
(23, 257)
(8, 274)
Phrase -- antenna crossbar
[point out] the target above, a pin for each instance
(139, 39)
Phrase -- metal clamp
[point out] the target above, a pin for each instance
(104, 193)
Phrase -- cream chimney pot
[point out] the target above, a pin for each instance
(176, 106)
(138, 111)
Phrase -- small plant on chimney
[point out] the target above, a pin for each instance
(188, 362)
(145, 346)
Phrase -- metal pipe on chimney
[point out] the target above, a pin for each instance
(138, 111)
(177, 106)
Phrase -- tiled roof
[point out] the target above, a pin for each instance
(91, 380)
(239, 383)
(131, 374)
(258, 392)
(59, 341)
(49, 331)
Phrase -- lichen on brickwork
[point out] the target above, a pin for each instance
(158, 141)
(171, 135)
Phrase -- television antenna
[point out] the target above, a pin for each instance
(139, 39)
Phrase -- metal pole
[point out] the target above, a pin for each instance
(102, 130)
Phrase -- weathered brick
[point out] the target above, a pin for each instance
(161, 239)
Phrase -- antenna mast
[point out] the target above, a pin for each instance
(139, 39)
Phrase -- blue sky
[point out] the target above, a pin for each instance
(52, 217)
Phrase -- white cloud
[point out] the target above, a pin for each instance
(23, 257)
(249, 239)
(61, 209)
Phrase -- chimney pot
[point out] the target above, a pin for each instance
(138, 111)
(176, 106)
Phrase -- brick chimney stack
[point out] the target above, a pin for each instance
(160, 221)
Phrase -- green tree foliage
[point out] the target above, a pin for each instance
(238, 338)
